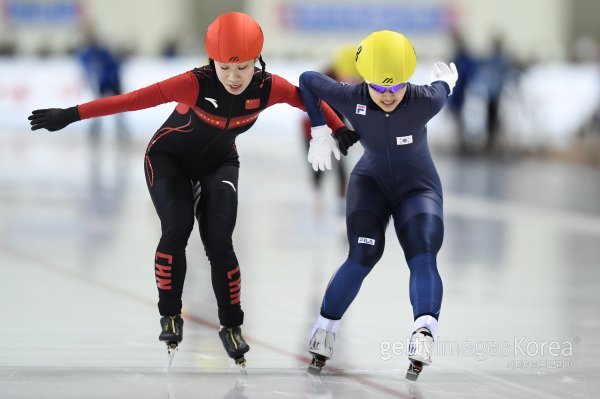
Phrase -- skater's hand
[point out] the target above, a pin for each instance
(321, 146)
(449, 74)
(53, 119)
(345, 138)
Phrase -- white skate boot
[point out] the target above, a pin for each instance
(419, 352)
(321, 348)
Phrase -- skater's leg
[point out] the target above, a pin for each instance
(171, 193)
(367, 216)
(366, 220)
(419, 226)
(217, 212)
(420, 230)
(366, 236)
(346, 282)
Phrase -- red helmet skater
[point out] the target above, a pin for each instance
(234, 37)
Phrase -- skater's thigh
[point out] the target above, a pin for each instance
(171, 191)
(367, 215)
(419, 225)
(425, 201)
(365, 195)
(223, 177)
(217, 207)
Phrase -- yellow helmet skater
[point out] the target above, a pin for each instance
(343, 64)
(386, 58)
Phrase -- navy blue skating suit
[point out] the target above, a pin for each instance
(395, 177)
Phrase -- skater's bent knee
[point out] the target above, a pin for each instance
(366, 236)
(364, 253)
(423, 233)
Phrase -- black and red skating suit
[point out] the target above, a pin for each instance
(196, 145)
(202, 130)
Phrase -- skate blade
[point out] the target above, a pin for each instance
(413, 371)
(317, 364)
(314, 370)
(171, 350)
(240, 361)
(411, 375)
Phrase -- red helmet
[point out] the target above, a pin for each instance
(234, 37)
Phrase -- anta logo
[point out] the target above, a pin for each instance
(404, 140)
(230, 183)
(234, 59)
(361, 109)
(212, 101)
(388, 81)
(365, 240)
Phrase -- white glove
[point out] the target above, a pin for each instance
(449, 74)
(321, 146)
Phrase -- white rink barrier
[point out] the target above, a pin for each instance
(547, 106)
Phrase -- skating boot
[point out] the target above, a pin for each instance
(321, 349)
(234, 344)
(419, 352)
(171, 333)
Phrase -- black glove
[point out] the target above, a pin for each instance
(345, 138)
(53, 119)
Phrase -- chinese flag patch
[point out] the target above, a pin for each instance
(252, 103)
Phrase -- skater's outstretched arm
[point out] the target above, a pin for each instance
(182, 88)
(283, 91)
(315, 87)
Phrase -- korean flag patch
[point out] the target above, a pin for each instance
(404, 140)
(361, 109)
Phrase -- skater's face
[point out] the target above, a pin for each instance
(235, 76)
(387, 101)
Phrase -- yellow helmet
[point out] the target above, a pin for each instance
(343, 64)
(386, 58)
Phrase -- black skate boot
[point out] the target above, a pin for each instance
(171, 331)
(234, 344)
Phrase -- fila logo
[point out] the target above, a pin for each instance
(388, 80)
(365, 240)
(361, 109)
(404, 140)
(234, 59)
(212, 101)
